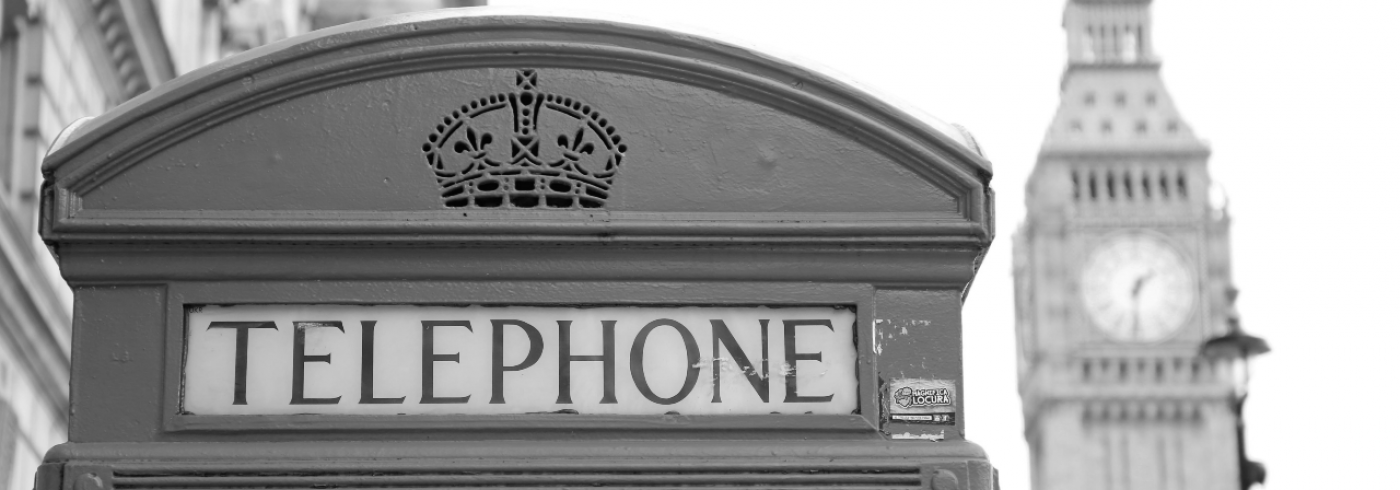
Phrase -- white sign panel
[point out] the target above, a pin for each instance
(395, 359)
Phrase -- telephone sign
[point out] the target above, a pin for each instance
(396, 359)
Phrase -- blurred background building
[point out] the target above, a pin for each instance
(62, 60)
(1122, 272)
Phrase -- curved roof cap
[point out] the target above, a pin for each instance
(712, 128)
(953, 131)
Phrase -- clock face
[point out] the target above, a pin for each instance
(1137, 288)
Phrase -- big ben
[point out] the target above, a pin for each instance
(1122, 272)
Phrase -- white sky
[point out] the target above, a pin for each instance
(1300, 103)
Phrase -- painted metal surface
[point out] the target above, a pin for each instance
(626, 167)
(719, 138)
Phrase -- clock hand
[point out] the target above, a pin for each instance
(1137, 291)
(1137, 320)
(1142, 280)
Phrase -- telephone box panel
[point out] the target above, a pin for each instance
(448, 249)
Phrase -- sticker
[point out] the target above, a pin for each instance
(923, 401)
(921, 437)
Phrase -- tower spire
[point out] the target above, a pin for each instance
(1121, 268)
(1112, 97)
(1109, 32)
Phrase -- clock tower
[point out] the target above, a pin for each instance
(1122, 271)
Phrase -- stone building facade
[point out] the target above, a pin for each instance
(1122, 271)
(64, 60)
(61, 60)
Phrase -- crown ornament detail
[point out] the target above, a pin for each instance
(525, 149)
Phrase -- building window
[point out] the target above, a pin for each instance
(1130, 45)
(1150, 99)
(1106, 126)
(1120, 99)
(1074, 180)
(1089, 99)
(1088, 52)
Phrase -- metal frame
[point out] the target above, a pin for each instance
(904, 267)
(180, 296)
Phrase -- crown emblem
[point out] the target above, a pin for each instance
(524, 149)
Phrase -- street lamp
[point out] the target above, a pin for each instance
(1236, 348)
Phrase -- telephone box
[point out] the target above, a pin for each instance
(470, 251)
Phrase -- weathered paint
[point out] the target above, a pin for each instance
(294, 174)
